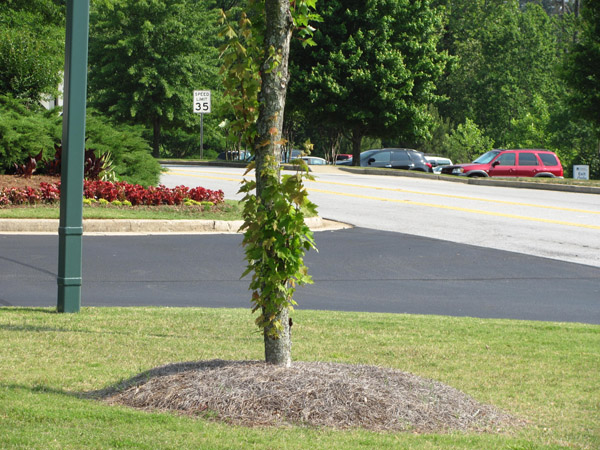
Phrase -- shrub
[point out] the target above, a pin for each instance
(131, 155)
(25, 131)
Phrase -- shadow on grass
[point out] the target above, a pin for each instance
(162, 371)
(34, 328)
(21, 309)
(166, 370)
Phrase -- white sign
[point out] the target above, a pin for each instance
(202, 102)
(581, 172)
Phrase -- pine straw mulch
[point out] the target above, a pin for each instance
(340, 396)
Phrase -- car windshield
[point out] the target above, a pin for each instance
(486, 157)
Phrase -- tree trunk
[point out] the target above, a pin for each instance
(156, 137)
(279, 351)
(269, 130)
(356, 142)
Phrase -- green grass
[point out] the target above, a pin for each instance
(547, 373)
(231, 210)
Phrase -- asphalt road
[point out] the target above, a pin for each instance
(355, 270)
(559, 225)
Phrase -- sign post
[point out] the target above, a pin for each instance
(581, 172)
(202, 106)
(70, 229)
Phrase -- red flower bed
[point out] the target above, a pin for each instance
(136, 194)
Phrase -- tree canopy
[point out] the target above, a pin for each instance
(505, 63)
(583, 64)
(147, 57)
(384, 72)
(31, 48)
(373, 70)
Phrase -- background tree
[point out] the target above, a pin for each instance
(583, 64)
(147, 57)
(373, 70)
(506, 62)
(467, 142)
(31, 48)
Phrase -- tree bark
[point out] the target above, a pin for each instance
(269, 126)
(356, 142)
(279, 351)
(156, 137)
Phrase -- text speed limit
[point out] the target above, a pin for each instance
(202, 102)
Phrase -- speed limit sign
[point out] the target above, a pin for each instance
(202, 102)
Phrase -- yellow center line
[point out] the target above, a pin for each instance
(468, 210)
(463, 197)
(195, 175)
(406, 191)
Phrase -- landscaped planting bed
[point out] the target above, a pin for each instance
(48, 192)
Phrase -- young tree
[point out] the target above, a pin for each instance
(276, 235)
(373, 71)
(147, 57)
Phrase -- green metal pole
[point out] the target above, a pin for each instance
(70, 231)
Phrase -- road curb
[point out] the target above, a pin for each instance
(109, 226)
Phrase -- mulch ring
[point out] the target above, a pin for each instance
(339, 396)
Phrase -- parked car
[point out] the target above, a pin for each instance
(510, 163)
(394, 158)
(234, 155)
(287, 156)
(437, 162)
(313, 160)
(343, 157)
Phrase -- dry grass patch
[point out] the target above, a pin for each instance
(340, 396)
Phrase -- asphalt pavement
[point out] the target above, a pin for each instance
(354, 270)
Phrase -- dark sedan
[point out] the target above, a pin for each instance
(395, 158)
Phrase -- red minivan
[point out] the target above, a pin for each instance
(510, 163)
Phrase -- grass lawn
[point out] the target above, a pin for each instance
(231, 210)
(546, 373)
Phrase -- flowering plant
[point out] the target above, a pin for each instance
(120, 191)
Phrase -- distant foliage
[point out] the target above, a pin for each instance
(31, 48)
(467, 142)
(146, 59)
(25, 131)
(583, 64)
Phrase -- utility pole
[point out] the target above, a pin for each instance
(70, 231)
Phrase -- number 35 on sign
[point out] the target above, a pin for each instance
(202, 102)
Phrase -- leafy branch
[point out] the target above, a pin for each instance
(276, 238)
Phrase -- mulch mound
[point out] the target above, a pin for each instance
(340, 396)
(13, 181)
